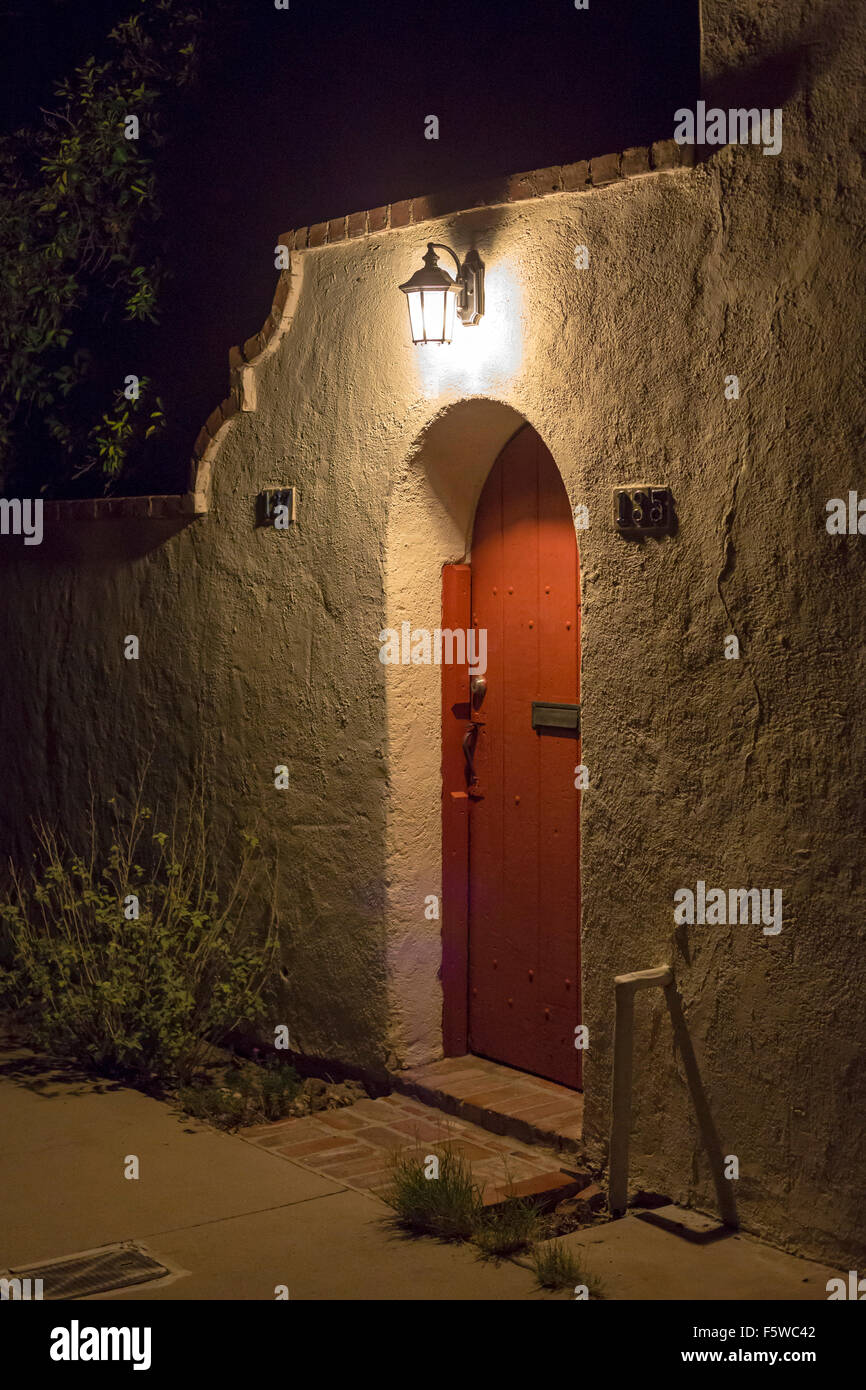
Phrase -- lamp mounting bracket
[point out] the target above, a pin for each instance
(470, 280)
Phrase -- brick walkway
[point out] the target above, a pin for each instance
(356, 1146)
(500, 1099)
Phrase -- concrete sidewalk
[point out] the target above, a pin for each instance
(633, 1259)
(233, 1220)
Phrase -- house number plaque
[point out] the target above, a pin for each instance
(643, 510)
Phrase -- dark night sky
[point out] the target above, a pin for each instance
(319, 110)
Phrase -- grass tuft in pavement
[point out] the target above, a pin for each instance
(557, 1268)
(435, 1195)
(511, 1228)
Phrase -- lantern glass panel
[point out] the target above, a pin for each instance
(416, 315)
(431, 315)
(450, 306)
(434, 315)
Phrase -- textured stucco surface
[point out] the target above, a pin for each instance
(741, 773)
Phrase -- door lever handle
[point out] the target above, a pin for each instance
(470, 738)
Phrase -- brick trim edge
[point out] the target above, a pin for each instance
(155, 506)
(587, 174)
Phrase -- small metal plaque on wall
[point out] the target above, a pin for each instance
(643, 510)
(277, 507)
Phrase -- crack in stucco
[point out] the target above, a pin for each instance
(728, 563)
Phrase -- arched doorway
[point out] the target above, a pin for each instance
(511, 805)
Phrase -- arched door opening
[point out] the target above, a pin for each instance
(511, 799)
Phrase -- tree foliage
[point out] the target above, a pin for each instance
(82, 261)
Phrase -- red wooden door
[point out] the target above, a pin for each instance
(524, 808)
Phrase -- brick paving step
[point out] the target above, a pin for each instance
(499, 1099)
(357, 1145)
(543, 1191)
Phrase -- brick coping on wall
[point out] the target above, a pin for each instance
(150, 507)
(585, 175)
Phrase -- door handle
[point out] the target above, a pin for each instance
(470, 738)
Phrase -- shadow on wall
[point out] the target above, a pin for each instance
(102, 543)
(709, 1134)
(451, 460)
(627, 987)
(775, 77)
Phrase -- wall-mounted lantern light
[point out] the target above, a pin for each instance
(434, 296)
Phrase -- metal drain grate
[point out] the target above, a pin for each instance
(96, 1271)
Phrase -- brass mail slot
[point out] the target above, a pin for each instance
(549, 716)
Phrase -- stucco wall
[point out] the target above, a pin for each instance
(741, 773)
